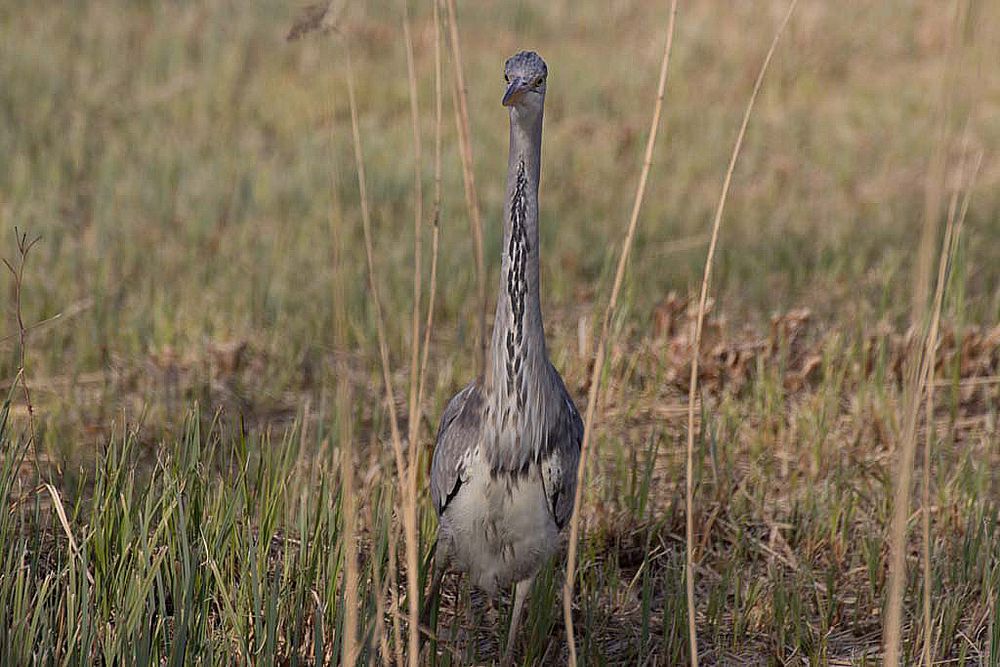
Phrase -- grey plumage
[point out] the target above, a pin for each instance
(503, 476)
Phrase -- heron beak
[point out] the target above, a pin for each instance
(514, 92)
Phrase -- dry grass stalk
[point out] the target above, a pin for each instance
(418, 214)
(932, 203)
(317, 18)
(57, 504)
(918, 380)
(926, 483)
(595, 377)
(393, 591)
(436, 207)
(381, 589)
(349, 508)
(410, 523)
(901, 496)
(934, 186)
(460, 105)
(408, 508)
(949, 248)
(698, 326)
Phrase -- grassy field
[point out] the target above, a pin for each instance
(187, 171)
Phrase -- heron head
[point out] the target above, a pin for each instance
(525, 74)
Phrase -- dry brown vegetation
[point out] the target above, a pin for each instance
(200, 340)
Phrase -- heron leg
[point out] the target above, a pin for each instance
(477, 603)
(521, 590)
(428, 616)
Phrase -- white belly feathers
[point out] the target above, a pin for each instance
(501, 529)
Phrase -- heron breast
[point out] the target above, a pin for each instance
(500, 528)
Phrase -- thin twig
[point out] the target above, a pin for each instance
(461, 107)
(69, 312)
(17, 274)
(699, 322)
(418, 212)
(595, 378)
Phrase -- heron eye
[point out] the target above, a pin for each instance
(506, 78)
(539, 81)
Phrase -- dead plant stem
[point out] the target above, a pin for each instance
(461, 106)
(410, 519)
(436, 206)
(17, 274)
(408, 508)
(349, 655)
(917, 380)
(595, 379)
(699, 322)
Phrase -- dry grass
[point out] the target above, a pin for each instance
(689, 546)
(602, 342)
(212, 380)
(407, 491)
(460, 105)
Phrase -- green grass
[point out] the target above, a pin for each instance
(184, 167)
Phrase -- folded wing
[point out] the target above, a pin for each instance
(559, 467)
(457, 436)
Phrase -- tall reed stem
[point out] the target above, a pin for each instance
(918, 379)
(436, 206)
(349, 654)
(595, 378)
(461, 106)
(408, 508)
(696, 347)
(410, 520)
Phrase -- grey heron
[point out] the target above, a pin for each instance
(503, 475)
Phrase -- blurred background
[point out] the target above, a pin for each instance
(181, 163)
(185, 166)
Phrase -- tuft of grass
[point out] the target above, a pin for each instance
(172, 564)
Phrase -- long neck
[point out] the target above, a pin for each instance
(518, 347)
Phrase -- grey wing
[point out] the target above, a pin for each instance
(457, 435)
(559, 468)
